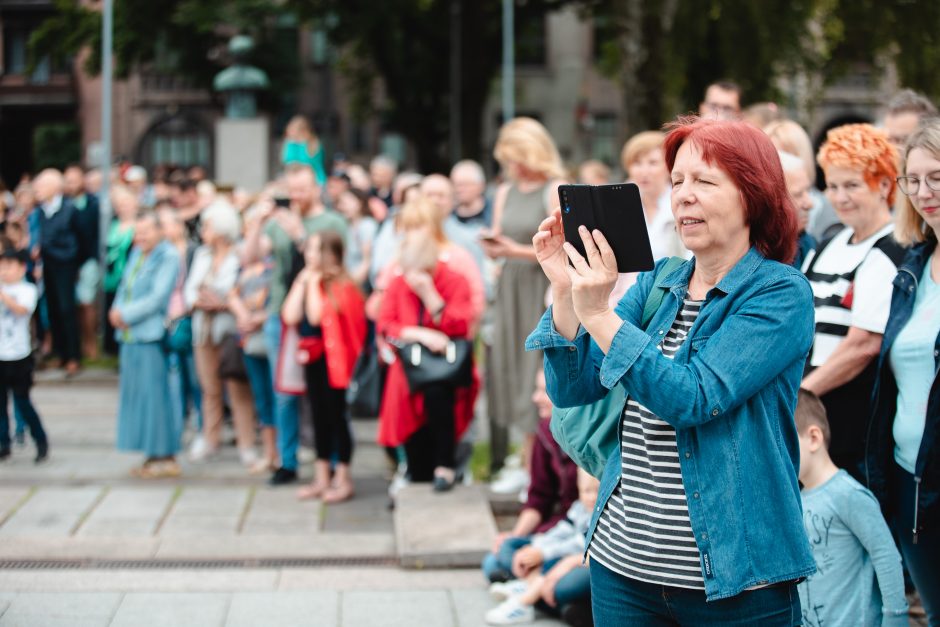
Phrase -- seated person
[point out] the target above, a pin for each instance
(549, 565)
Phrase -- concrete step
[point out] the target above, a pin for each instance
(443, 530)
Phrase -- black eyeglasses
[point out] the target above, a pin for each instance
(910, 185)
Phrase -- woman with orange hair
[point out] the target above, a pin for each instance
(851, 277)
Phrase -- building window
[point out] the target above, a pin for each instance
(180, 140)
(530, 43)
(604, 144)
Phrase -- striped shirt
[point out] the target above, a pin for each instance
(644, 532)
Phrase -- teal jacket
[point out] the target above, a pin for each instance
(729, 391)
(143, 296)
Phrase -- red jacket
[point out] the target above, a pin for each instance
(403, 413)
(343, 321)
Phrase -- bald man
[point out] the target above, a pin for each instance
(59, 245)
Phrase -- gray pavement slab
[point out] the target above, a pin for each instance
(11, 499)
(279, 511)
(206, 511)
(24, 547)
(442, 530)
(52, 511)
(138, 580)
(402, 608)
(384, 578)
(313, 608)
(45, 609)
(127, 511)
(260, 546)
(204, 609)
(368, 512)
(5, 599)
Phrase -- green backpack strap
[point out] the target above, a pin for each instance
(655, 298)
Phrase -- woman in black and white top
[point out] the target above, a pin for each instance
(851, 277)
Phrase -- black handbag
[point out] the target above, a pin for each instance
(423, 367)
(232, 359)
(364, 394)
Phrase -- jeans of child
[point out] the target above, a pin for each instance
(573, 587)
(921, 559)
(262, 387)
(500, 563)
(184, 387)
(286, 407)
(619, 601)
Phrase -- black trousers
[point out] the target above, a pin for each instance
(434, 443)
(59, 278)
(331, 432)
(17, 377)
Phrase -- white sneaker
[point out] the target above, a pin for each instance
(199, 450)
(502, 590)
(510, 612)
(398, 482)
(248, 456)
(510, 481)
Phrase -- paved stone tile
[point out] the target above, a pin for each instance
(401, 608)
(312, 608)
(135, 580)
(197, 525)
(51, 512)
(367, 512)
(471, 605)
(171, 610)
(279, 511)
(5, 599)
(313, 545)
(127, 511)
(10, 499)
(452, 529)
(210, 502)
(78, 547)
(374, 579)
(55, 609)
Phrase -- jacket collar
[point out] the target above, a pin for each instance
(917, 257)
(731, 281)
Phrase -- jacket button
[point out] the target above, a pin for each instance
(714, 412)
(572, 349)
(695, 495)
(660, 332)
(688, 454)
(704, 536)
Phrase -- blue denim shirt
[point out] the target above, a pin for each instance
(730, 392)
(145, 310)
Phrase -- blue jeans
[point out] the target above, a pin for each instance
(620, 601)
(922, 558)
(573, 587)
(502, 560)
(286, 407)
(262, 388)
(184, 387)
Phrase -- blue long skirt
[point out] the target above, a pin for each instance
(146, 419)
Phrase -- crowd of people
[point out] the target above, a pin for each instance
(787, 337)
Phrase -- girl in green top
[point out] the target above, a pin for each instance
(301, 145)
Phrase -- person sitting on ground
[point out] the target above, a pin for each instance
(544, 559)
(552, 491)
(17, 302)
(329, 311)
(851, 542)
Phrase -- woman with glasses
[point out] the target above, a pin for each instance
(903, 453)
(851, 277)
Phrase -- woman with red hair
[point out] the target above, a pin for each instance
(698, 518)
(851, 277)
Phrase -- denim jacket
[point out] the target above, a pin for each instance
(879, 450)
(730, 392)
(145, 310)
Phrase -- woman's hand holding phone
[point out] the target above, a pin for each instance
(549, 243)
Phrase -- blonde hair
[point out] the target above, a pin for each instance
(639, 145)
(418, 213)
(909, 226)
(788, 136)
(526, 142)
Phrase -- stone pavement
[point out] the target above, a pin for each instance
(84, 543)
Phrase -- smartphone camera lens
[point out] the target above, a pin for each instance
(567, 208)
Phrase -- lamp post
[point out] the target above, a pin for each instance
(509, 42)
(104, 196)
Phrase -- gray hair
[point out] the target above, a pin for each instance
(470, 167)
(790, 162)
(224, 219)
(909, 101)
(384, 161)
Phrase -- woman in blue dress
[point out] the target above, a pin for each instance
(146, 420)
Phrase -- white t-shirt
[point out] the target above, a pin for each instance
(15, 337)
(830, 280)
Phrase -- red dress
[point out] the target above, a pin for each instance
(402, 412)
(343, 321)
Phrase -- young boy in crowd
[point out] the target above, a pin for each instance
(540, 564)
(850, 540)
(17, 302)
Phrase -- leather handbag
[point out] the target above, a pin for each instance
(364, 394)
(590, 433)
(424, 368)
(231, 359)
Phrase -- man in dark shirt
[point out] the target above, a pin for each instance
(89, 274)
(60, 250)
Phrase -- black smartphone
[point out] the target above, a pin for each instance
(614, 210)
(282, 201)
